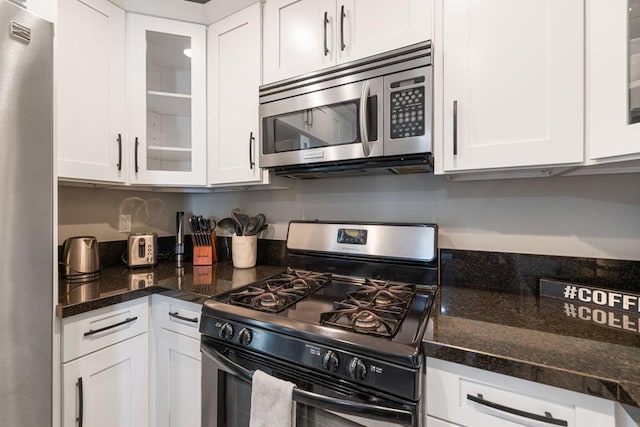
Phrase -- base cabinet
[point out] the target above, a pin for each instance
(177, 380)
(468, 396)
(109, 387)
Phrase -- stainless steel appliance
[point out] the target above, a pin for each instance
(370, 116)
(26, 191)
(81, 258)
(344, 322)
(142, 249)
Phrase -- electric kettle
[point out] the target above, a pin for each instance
(81, 258)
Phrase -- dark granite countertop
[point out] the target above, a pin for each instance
(189, 283)
(535, 338)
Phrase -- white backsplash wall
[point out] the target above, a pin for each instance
(587, 216)
(95, 212)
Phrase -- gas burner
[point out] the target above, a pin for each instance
(279, 292)
(366, 321)
(363, 318)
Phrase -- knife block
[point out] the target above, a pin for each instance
(205, 254)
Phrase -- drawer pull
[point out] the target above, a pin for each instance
(546, 418)
(186, 319)
(115, 325)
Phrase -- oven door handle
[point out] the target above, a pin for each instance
(380, 413)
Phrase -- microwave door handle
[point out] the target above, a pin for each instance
(364, 135)
(380, 413)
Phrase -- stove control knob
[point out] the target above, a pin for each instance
(226, 332)
(330, 361)
(245, 336)
(357, 369)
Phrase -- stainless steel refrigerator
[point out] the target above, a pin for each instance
(26, 217)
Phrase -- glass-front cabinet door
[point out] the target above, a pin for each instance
(167, 75)
(613, 80)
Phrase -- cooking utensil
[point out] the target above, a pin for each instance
(227, 224)
(241, 220)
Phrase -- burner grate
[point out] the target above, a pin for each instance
(281, 291)
(375, 308)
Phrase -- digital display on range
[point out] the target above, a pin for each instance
(352, 236)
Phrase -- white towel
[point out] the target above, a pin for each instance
(272, 402)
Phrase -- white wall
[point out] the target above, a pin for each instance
(88, 211)
(589, 216)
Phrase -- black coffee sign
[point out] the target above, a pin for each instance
(605, 298)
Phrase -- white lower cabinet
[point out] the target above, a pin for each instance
(109, 387)
(468, 396)
(177, 380)
(105, 369)
(176, 362)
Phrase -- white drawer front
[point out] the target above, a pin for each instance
(180, 316)
(473, 397)
(87, 332)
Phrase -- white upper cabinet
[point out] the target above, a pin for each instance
(167, 98)
(368, 27)
(613, 80)
(301, 36)
(234, 77)
(90, 91)
(511, 73)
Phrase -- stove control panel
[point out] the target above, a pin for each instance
(332, 361)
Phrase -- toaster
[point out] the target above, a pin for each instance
(142, 249)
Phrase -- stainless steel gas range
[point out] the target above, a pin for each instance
(344, 322)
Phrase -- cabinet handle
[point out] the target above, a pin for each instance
(119, 165)
(186, 319)
(342, 16)
(251, 140)
(455, 128)
(326, 21)
(546, 418)
(80, 417)
(136, 156)
(115, 325)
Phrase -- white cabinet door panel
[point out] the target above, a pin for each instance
(294, 37)
(375, 26)
(90, 90)
(178, 380)
(114, 386)
(609, 133)
(513, 74)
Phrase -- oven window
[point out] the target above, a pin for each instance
(234, 403)
(330, 125)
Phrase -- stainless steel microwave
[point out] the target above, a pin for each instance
(369, 116)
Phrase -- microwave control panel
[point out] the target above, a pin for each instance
(407, 111)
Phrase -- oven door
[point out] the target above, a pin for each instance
(339, 123)
(226, 394)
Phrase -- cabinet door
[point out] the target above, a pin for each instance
(299, 37)
(177, 380)
(513, 83)
(234, 78)
(90, 98)
(109, 387)
(167, 75)
(613, 78)
(369, 27)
